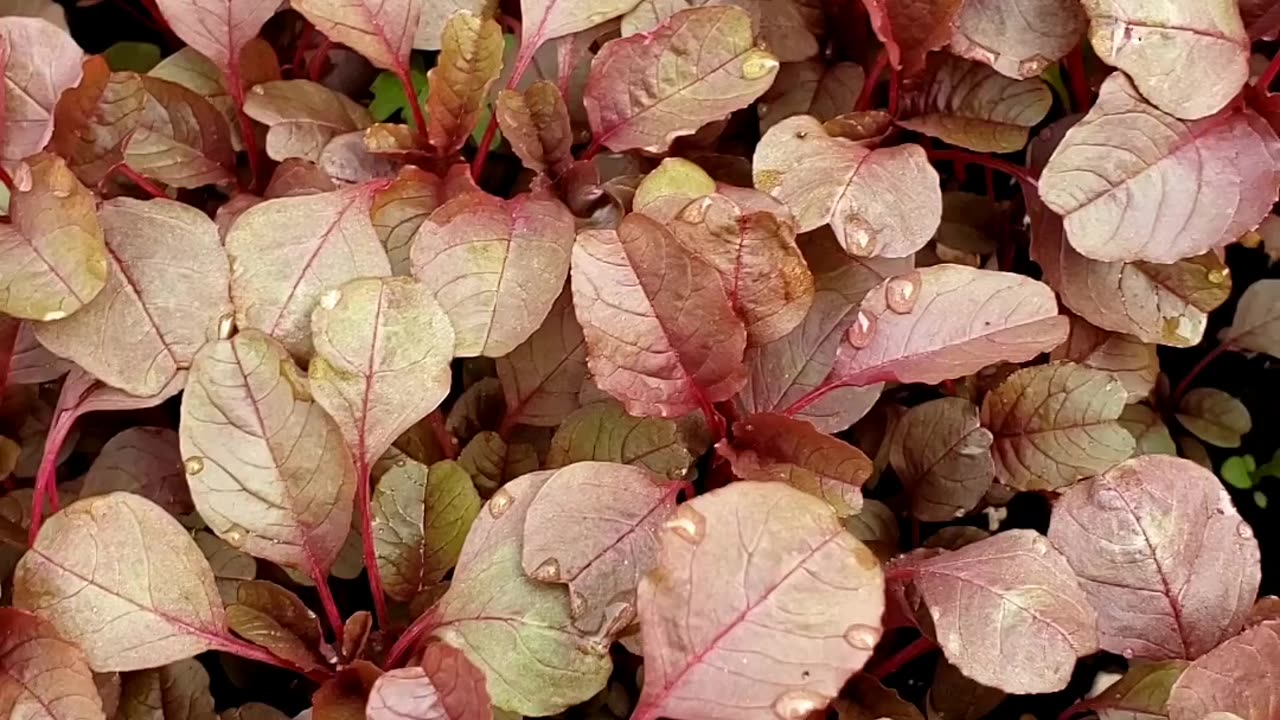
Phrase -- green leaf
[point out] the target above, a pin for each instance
(1052, 76)
(136, 57)
(1238, 470)
(1270, 469)
(388, 95)
(1260, 499)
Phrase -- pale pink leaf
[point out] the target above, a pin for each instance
(1256, 325)
(445, 686)
(218, 29)
(144, 461)
(541, 377)
(1019, 38)
(780, 24)
(31, 363)
(1165, 559)
(1241, 676)
(943, 456)
(302, 117)
(43, 62)
(543, 20)
(42, 675)
(381, 30)
(910, 29)
(1133, 362)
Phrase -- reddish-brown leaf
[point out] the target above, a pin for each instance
(542, 376)
(910, 29)
(780, 24)
(302, 117)
(811, 88)
(536, 123)
(144, 461)
(1240, 676)
(1133, 362)
(1019, 38)
(381, 30)
(43, 676)
(399, 209)
(42, 62)
(446, 686)
(943, 457)
(470, 60)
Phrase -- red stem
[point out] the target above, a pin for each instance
(1185, 383)
(448, 444)
(810, 398)
(299, 50)
(364, 491)
(1017, 172)
(46, 489)
(137, 179)
(7, 180)
(249, 651)
(1080, 93)
(1073, 710)
(8, 341)
(321, 579)
(523, 60)
(316, 68)
(893, 93)
(236, 87)
(1268, 76)
(146, 21)
(411, 95)
(409, 639)
(873, 79)
(920, 647)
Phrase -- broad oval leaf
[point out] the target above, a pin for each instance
(541, 376)
(1121, 178)
(1237, 677)
(536, 123)
(884, 202)
(420, 519)
(910, 29)
(604, 431)
(145, 461)
(1165, 559)
(165, 295)
(949, 321)
(969, 104)
(383, 347)
(302, 117)
(1214, 416)
(660, 339)
(1055, 424)
(470, 60)
(218, 29)
(122, 557)
(1256, 324)
(275, 618)
(616, 512)
(1133, 362)
(381, 30)
(445, 686)
(811, 88)
(194, 153)
(712, 67)
(267, 467)
(52, 257)
(775, 448)
(543, 20)
(43, 676)
(42, 63)
(747, 567)
(1188, 57)
(1019, 38)
(1018, 587)
(1148, 430)
(942, 454)
(780, 24)
(287, 252)
(495, 265)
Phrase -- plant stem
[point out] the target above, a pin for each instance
(8, 181)
(321, 579)
(1017, 172)
(873, 78)
(405, 644)
(810, 398)
(249, 651)
(47, 476)
(299, 50)
(445, 439)
(236, 88)
(8, 341)
(1268, 76)
(316, 68)
(1081, 96)
(920, 647)
(411, 96)
(523, 60)
(1074, 709)
(893, 93)
(1185, 384)
(364, 490)
(137, 179)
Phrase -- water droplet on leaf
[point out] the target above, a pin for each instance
(901, 292)
(577, 605)
(548, 571)
(858, 238)
(226, 326)
(862, 637)
(688, 525)
(1039, 545)
(1244, 531)
(53, 315)
(193, 465)
(1127, 653)
(329, 300)
(499, 503)
(797, 704)
(758, 64)
(696, 211)
(862, 329)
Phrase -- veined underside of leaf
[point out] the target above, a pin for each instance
(120, 556)
(196, 154)
(780, 24)
(444, 686)
(1188, 57)
(761, 606)
(911, 29)
(1141, 693)
(660, 338)
(42, 63)
(1133, 362)
(811, 88)
(302, 117)
(166, 294)
(218, 29)
(43, 676)
(947, 321)
(381, 30)
(710, 67)
(1256, 324)
(1165, 559)
(399, 209)
(293, 177)
(542, 376)
(31, 363)
(1237, 677)
(883, 202)
(496, 266)
(1121, 178)
(267, 467)
(470, 60)
(435, 15)
(942, 454)
(1018, 38)
(1055, 424)
(536, 123)
(286, 253)
(52, 257)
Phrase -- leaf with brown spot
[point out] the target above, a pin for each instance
(541, 377)
(1214, 416)
(536, 123)
(144, 461)
(470, 60)
(1019, 38)
(302, 117)
(1135, 363)
(399, 209)
(42, 62)
(446, 686)
(911, 29)
(42, 676)
(943, 456)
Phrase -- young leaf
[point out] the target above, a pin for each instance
(495, 265)
(399, 209)
(1122, 185)
(492, 462)
(302, 117)
(519, 632)
(42, 676)
(1256, 325)
(947, 321)
(42, 63)
(166, 294)
(196, 154)
(381, 30)
(274, 618)
(943, 457)
(969, 104)
(616, 512)
(711, 68)
(267, 467)
(1188, 57)
(787, 369)
(30, 362)
(1238, 677)
(446, 686)
(144, 461)
(884, 202)
(780, 24)
(293, 177)
(470, 60)
(1214, 416)
(604, 431)
(541, 377)
(287, 252)
(1148, 430)
(52, 257)
(910, 29)
(1142, 692)
(349, 159)
(178, 691)
(1055, 424)
(120, 556)
(195, 72)
(536, 122)
(776, 448)
(420, 519)
(383, 347)
(659, 338)
(1163, 556)
(1238, 472)
(1019, 39)
(218, 29)
(952, 695)
(1133, 362)
(811, 88)
(94, 119)
(736, 573)
(1020, 588)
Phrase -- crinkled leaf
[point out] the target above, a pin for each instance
(446, 686)
(1256, 325)
(420, 519)
(1055, 424)
(775, 448)
(145, 461)
(604, 431)
(218, 29)
(1133, 183)
(536, 122)
(302, 117)
(42, 63)
(492, 461)
(1133, 362)
(495, 265)
(123, 557)
(479, 407)
(811, 88)
(348, 159)
(43, 676)
(1188, 57)
(166, 294)
(950, 321)
(94, 119)
(260, 628)
(1019, 38)
(52, 257)
(399, 209)
(287, 252)
(381, 30)
(660, 339)
(383, 347)
(177, 691)
(267, 467)
(541, 377)
(1163, 556)
(780, 24)
(969, 104)
(1148, 430)
(1022, 591)
(470, 60)
(1238, 676)
(943, 457)
(761, 606)
(711, 67)
(1214, 416)
(884, 202)
(198, 154)
(910, 29)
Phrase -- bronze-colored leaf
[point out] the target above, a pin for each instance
(536, 123)
(177, 691)
(1019, 38)
(1129, 359)
(399, 209)
(943, 456)
(541, 377)
(302, 117)
(604, 431)
(470, 60)
(43, 676)
(1214, 416)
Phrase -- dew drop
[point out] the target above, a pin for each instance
(696, 211)
(797, 704)
(193, 465)
(500, 502)
(53, 315)
(329, 300)
(233, 537)
(1127, 653)
(226, 326)
(862, 329)
(861, 637)
(1216, 277)
(688, 525)
(1032, 67)
(548, 571)
(858, 238)
(1039, 545)
(758, 64)
(976, 442)
(577, 605)
(901, 292)
(1243, 531)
